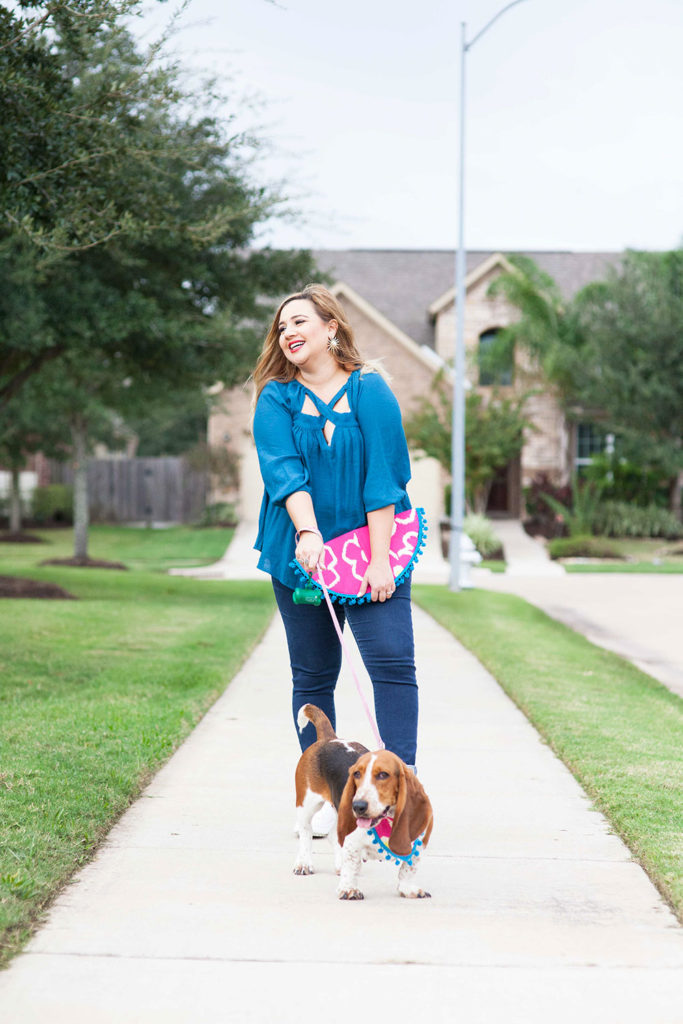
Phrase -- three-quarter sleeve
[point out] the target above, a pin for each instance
(387, 463)
(282, 467)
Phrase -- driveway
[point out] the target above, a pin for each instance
(638, 616)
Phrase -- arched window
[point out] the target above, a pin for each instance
(496, 365)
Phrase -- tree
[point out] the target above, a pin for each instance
(170, 426)
(127, 182)
(614, 352)
(170, 303)
(548, 328)
(60, 135)
(494, 434)
(632, 326)
(80, 399)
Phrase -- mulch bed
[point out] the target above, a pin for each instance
(16, 586)
(21, 538)
(549, 529)
(86, 563)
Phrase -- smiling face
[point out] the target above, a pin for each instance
(304, 336)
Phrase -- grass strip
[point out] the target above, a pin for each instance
(640, 554)
(495, 565)
(95, 695)
(619, 731)
(640, 567)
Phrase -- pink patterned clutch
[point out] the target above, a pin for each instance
(346, 558)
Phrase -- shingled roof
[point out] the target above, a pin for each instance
(403, 283)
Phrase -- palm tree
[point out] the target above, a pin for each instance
(548, 328)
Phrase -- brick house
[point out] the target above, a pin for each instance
(401, 304)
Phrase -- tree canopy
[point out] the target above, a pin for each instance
(128, 212)
(494, 434)
(614, 352)
(631, 366)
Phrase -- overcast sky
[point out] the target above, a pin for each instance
(574, 117)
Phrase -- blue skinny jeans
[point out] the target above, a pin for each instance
(384, 635)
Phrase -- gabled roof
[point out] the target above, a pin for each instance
(403, 283)
(423, 354)
(473, 277)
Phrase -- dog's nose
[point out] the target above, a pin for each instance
(360, 807)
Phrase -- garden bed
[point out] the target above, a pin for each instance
(18, 587)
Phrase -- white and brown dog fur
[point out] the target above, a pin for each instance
(364, 787)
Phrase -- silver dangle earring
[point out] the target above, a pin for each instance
(333, 344)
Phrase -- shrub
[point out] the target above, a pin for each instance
(480, 531)
(221, 513)
(541, 519)
(620, 519)
(581, 547)
(53, 504)
(580, 515)
(624, 481)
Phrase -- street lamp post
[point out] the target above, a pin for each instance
(458, 439)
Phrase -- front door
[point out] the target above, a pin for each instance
(504, 494)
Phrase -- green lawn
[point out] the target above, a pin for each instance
(495, 565)
(660, 568)
(642, 554)
(95, 694)
(618, 730)
(137, 548)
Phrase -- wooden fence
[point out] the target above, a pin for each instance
(144, 490)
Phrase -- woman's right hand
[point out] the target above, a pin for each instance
(308, 550)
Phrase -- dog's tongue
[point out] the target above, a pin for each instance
(382, 825)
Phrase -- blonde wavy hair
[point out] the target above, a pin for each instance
(274, 365)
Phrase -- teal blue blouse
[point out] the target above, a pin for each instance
(364, 467)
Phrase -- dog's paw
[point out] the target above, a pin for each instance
(416, 894)
(350, 894)
(303, 869)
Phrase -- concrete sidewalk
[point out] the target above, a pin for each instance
(524, 555)
(191, 913)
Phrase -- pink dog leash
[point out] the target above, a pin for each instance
(349, 662)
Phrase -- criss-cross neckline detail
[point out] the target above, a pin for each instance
(326, 410)
(318, 401)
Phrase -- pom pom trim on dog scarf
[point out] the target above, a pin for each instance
(346, 558)
(384, 827)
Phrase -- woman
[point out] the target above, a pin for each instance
(333, 457)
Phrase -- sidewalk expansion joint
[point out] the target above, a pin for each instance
(395, 962)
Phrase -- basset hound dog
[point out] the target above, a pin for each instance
(383, 810)
(320, 777)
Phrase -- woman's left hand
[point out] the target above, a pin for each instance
(379, 580)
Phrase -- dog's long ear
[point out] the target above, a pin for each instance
(413, 814)
(346, 821)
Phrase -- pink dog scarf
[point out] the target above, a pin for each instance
(381, 832)
(345, 559)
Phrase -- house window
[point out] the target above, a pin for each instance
(590, 441)
(495, 365)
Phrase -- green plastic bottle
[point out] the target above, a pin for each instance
(307, 595)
